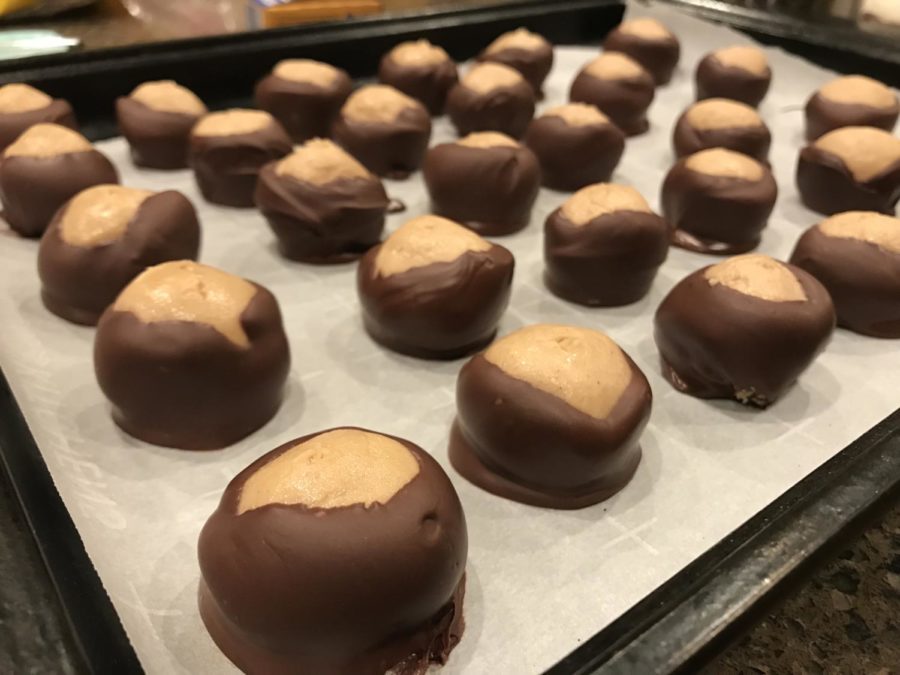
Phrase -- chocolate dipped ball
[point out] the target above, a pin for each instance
(620, 87)
(22, 106)
(722, 123)
(648, 42)
(741, 73)
(322, 205)
(491, 97)
(487, 181)
(850, 169)
(745, 329)
(338, 553)
(576, 145)
(851, 101)
(524, 51)
(718, 201)
(304, 96)
(421, 70)
(228, 149)
(103, 238)
(603, 246)
(191, 357)
(550, 416)
(156, 119)
(44, 168)
(856, 256)
(384, 129)
(434, 289)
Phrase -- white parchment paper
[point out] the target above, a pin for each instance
(540, 582)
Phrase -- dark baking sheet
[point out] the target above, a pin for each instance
(675, 628)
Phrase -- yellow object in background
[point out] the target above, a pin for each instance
(10, 6)
(276, 13)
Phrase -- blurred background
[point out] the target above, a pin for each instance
(91, 24)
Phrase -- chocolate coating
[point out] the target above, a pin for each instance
(505, 109)
(716, 80)
(625, 101)
(227, 167)
(827, 186)
(862, 278)
(533, 64)
(352, 590)
(490, 190)
(824, 115)
(607, 262)
(753, 141)
(392, 149)
(658, 56)
(158, 139)
(12, 124)
(305, 109)
(33, 188)
(78, 283)
(183, 384)
(720, 215)
(572, 157)
(444, 310)
(427, 83)
(524, 444)
(716, 342)
(330, 223)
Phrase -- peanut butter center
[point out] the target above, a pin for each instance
(418, 53)
(47, 140)
(759, 276)
(487, 139)
(184, 290)
(169, 96)
(521, 38)
(578, 114)
(614, 66)
(306, 70)
(645, 28)
(722, 113)
(875, 228)
(484, 78)
(865, 151)
(337, 468)
(320, 161)
(19, 98)
(377, 103)
(601, 199)
(725, 163)
(859, 89)
(423, 241)
(100, 214)
(232, 122)
(582, 367)
(743, 57)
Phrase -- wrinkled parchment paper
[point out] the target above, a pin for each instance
(540, 582)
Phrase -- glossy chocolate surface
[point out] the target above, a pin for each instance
(721, 215)
(353, 590)
(227, 167)
(625, 101)
(753, 141)
(608, 261)
(33, 188)
(533, 64)
(78, 283)
(158, 139)
(504, 109)
(523, 444)
(12, 124)
(331, 223)
(443, 310)
(716, 80)
(490, 190)
(572, 157)
(827, 186)
(427, 83)
(392, 149)
(824, 115)
(716, 342)
(185, 385)
(305, 109)
(862, 278)
(658, 56)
